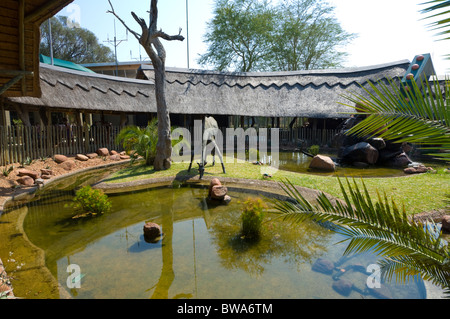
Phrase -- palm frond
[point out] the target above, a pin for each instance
(405, 113)
(379, 227)
(439, 11)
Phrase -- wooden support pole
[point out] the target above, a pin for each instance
(22, 43)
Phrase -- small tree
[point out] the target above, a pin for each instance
(140, 141)
(150, 41)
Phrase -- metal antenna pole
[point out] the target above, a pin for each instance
(50, 41)
(116, 43)
(187, 31)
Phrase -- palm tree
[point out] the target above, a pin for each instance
(140, 141)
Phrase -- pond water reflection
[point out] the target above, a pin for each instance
(201, 254)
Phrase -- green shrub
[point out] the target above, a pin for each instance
(314, 150)
(91, 201)
(252, 217)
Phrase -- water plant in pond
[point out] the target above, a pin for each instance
(252, 217)
(409, 248)
(90, 202)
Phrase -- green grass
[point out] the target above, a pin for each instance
(418, 193)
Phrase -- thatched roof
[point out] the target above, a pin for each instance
(70, 90)
(278, 94)
(314, 94)
(19, 44)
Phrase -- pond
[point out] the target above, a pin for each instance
(299, 162)
(201, 255)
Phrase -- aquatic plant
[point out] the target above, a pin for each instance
(91, 202)
(252, 217)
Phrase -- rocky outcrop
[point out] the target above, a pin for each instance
(369, 150)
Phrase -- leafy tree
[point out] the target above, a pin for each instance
(249, 35)
(239, 35)
(77, 45)
(307, 37)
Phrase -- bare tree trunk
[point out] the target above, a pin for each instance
(164, 146)
(150, 41)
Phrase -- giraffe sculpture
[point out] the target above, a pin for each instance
(210, 131)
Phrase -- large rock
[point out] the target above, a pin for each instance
(213, 182)
(68, 165)
(46, 171)
(400, 161)
(377, 142)
(416, 170)
(323, 163)
(103, 152)
(115, 157)
(342, 286)
(152, 231)
(92, 155)
(82, 157)
(25, 180)
(59, 158)
(360, 152)
(446, 223)
(323, 265)
(218, 192)
(27, 172)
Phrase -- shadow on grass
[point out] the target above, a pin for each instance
(142, 171)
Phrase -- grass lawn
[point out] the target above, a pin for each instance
(418, 193)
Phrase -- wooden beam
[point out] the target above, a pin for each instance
(22, 43)
(46, 10)
(10, 83)
(16, 72)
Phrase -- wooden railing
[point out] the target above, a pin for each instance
(307, 136)
(19, 143)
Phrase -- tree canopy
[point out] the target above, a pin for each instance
(249, 35)
(77, 45)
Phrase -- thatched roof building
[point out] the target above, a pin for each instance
(66, 90)
(19, 44)
(313, 94)
(229, 96)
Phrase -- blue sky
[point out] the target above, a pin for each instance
(388, 30)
